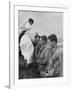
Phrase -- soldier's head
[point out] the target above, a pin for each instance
(52, 40)
(37, 37)
(43, 39)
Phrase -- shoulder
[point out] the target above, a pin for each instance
(58, 53)
(59, 50)
(48, 49)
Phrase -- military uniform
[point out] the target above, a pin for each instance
(43, 60)
(55, 67)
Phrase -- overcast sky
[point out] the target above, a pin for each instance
(44, 22)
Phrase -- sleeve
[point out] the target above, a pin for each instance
(44, 56)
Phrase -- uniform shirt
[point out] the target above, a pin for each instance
(43, 60)
(45, 55)
(56, 63)
(27, 48)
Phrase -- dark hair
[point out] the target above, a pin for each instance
(31, 21)
(52, 38)
(37, 36)
(44, 38)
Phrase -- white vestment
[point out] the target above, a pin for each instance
(27, 48)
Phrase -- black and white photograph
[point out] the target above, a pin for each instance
(40, 44)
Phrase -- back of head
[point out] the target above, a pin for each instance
(31, 21)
